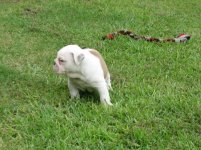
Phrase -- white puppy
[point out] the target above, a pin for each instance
(86, 70)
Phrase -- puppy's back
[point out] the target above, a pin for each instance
(102, 62)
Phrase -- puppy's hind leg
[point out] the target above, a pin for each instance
(108, 82)
(104, 94)
(74, 92)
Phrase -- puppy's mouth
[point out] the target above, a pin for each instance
(55, 68)
(58, 69)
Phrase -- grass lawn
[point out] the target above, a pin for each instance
(157, 87)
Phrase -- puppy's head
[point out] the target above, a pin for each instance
(68, 59)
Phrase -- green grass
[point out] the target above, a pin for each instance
(157, 87)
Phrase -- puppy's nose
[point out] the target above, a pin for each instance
(54, 63)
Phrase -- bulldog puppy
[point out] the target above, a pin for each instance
(86, 70)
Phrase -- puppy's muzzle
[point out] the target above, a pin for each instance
(55, 67)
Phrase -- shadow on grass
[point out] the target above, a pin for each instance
(19, 87)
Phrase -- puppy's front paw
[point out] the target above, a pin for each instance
(75, 95)
(74, 92)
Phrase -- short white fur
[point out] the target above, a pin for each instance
(84, 72)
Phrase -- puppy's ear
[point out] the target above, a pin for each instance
(78, 58)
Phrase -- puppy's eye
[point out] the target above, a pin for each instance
(61, 60)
